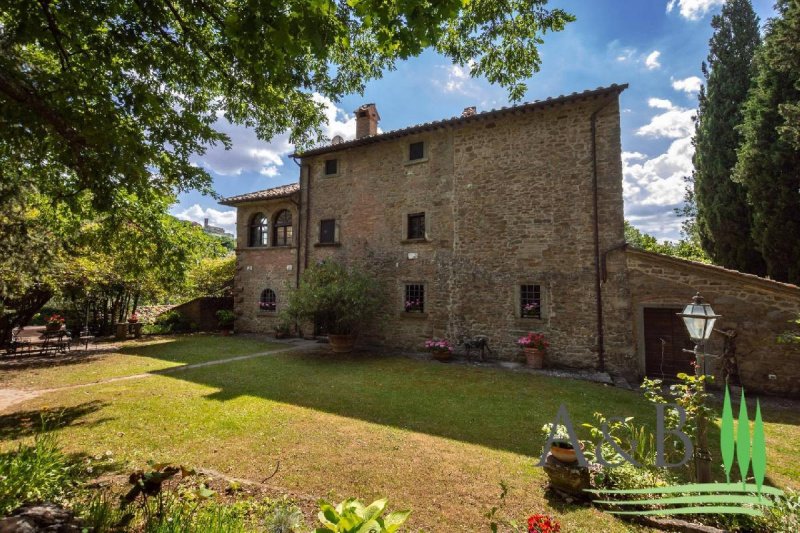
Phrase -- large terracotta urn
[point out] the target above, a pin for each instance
(534, 357)
(342, 343)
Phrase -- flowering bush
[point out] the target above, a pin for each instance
(414, 305)
(267, 306)
(55, 320)
(531, 309)
(541, 523)
(438, 345)
(134, 317)
(533, 340)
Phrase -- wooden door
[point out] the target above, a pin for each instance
(665, 338)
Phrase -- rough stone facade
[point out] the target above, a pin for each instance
(758, 310)
(509, 199)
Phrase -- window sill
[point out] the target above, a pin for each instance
(326, 176)
(265, 248)
(406, 314)
(415, 241)
(262, 313)
(327, 244)
(408, 162)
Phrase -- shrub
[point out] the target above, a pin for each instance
(35, 473)
(173, 322)
(283, 516)
(338, 298)
(225, 318)
(351, 516)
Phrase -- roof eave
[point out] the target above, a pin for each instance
(444, 123)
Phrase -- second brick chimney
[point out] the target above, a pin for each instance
(367, 118)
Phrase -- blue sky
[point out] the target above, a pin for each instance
(654, 45)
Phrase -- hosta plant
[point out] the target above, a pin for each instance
(351, 516)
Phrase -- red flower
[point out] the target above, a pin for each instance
(541, 523)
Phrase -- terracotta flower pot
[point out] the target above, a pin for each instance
(441, 355)
(565, 455)
(342, 343)
(52, 326)
(534, 356)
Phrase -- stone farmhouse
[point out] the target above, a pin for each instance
(498, 223)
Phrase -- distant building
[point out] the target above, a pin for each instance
(215, 230)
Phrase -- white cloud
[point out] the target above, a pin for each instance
(673, 123)
(196, 213)
(693, 9)
(651, 61)
(688, 85)
(250, 154)
(458, 80)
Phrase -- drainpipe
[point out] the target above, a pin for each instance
(601, 349)
(299, 219)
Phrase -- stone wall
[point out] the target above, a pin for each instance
(759, 310)
(508, 201)
(259, 268)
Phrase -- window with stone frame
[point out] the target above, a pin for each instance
(282, 229)
(327, 231)
(530, 301)
(268, 301)
(331, 167)
(415, 298)
(416, 151)
(416, 226)
(259, 230)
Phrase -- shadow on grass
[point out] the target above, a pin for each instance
(22, 424)
(489, 407)
(24, 361)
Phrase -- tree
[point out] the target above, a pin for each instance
(119, 94)
(723, 216)
(683, 249)
(769, 159)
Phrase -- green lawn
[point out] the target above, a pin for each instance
(434, 437)
(132, 357)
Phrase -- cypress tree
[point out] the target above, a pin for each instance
(769, 158)
(723, 217)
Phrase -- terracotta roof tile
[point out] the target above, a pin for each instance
(527, 106)
(266, 194)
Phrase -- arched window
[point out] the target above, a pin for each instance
(268, 301)
(259, 230)
(282, 229)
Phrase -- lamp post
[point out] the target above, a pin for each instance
(699, 319)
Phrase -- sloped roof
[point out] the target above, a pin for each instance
(742, 277)
(427, 126)
(267, 194)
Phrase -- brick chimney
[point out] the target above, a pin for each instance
(367, 118)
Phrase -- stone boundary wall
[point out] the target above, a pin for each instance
(758, 309)
(203, 310)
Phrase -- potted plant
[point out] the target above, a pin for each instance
(225, 318)
(54, 322)
(440, 349)
(283, 330)
(134, 318)
(338, 299)
(561, 448)
(534, 346)
(413, 305)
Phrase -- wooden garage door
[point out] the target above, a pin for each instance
(665, 337)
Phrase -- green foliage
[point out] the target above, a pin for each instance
(626, 476)
(635, 440)
(211, 276)
(690, 394)
(173, 322)
(351, 516)
(225, 317)
(100, 513)
(684, 249)
(723, 216)
(118, 96)
(283, 516)
(339, 298)
(768, 163)
(793, 335)
(35, 473)
(784, 516)
(495, 515)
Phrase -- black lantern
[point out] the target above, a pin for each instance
(699, 319)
